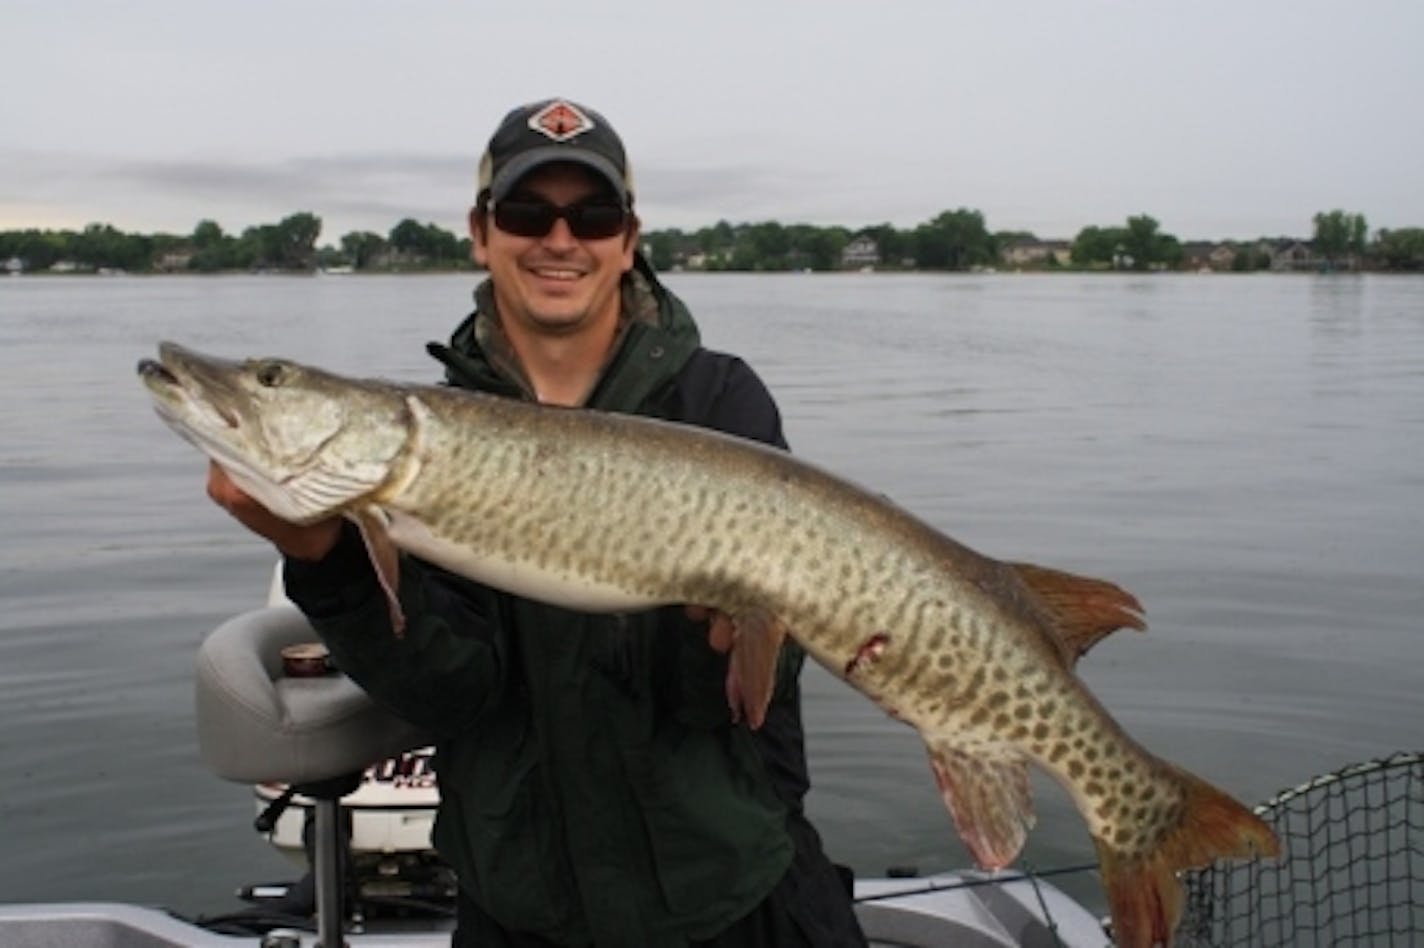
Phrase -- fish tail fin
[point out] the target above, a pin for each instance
(1142, 889)
(1084, 610)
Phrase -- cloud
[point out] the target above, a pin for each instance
(349, 191)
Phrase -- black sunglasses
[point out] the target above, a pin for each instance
(593, 219)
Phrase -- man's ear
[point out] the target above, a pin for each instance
(630, 241)
(479, 235)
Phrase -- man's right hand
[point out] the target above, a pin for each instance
(302, 542)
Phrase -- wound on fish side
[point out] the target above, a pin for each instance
(870, 651)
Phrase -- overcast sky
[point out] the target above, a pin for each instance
(1220, 119)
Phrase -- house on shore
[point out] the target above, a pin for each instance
(1202, 255)
(1032, 252)
(172, 261)
(860, 254)
(1290, 254)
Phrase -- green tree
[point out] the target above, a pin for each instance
(256, 248)
(212, 249)
(662, 248)
(1098, 246)
(954, 240)
(38, 249)
(294, 241)
(770, 246)
(1401, 249)
(822, 246)
(361, 247)
(426, 243)
(104, 246)
(1138, 246)
(716, 240)
(1140, 242)
(1340, 236)
(207, 235)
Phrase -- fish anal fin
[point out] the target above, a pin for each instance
(385, 559)
(1143, 890)
(1084, 610)
(989, 799)
(751, 669)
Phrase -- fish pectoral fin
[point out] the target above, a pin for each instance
(751, 668)
(317, 492)
(385, 559)
(989, 799)
(1084, 610)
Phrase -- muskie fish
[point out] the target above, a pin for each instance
(606, 512)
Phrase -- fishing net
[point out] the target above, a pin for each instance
(1351, 873)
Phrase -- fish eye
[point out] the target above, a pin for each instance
(270, 374)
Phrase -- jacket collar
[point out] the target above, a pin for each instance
(656, 337)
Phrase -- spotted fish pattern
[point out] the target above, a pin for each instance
(611, 512)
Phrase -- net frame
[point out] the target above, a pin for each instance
(1351, 872)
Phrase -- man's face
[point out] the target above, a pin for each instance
(556, 284)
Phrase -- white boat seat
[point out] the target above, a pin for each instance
(256, 725)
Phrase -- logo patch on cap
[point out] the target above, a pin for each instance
(560, 121)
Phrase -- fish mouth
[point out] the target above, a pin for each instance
(154, 372)
(173, 382)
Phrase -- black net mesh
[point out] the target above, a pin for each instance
(1351, 873)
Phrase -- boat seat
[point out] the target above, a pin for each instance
(257, 725)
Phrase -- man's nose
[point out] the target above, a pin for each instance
(560, 237)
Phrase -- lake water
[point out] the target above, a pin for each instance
(1245, 453)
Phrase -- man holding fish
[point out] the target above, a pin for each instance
(514, 575)
(596, 786)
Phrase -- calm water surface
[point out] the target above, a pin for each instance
(1246, 454)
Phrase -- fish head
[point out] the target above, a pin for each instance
(305, 443)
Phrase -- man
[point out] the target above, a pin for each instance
(595, 789)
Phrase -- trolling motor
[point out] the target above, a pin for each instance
(263, 720)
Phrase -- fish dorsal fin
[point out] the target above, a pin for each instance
(751, 670)
(1083, 610)
(989, 799)
(385, 559)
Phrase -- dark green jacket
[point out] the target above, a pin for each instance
(593, 787)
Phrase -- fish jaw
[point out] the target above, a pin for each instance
(305, 444)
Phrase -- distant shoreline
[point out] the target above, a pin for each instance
(438, 271)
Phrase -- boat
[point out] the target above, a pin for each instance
(272, 714)
(304, 737)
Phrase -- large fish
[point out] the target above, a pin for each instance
(605, 512)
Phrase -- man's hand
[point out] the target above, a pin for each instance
(302, 542)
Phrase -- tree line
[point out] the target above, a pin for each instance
(288, 245)
(952, 240)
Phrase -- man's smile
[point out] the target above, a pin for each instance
(556, 273)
